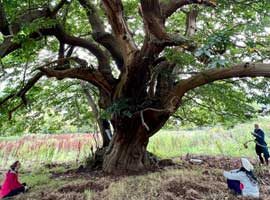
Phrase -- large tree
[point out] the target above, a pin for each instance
(146, 58)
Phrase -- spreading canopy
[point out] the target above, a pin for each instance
(142, 56)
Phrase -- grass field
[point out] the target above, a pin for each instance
(33, 150)
(208, 141)
(186, 181)
(40, 149)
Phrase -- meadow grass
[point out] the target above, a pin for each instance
(209, 140)
(36, 150)
(74, 148)
(40, 149)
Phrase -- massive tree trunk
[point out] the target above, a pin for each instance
(126, 153)
(147, 84)
(127, 150)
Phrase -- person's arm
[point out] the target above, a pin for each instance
(255, 134)
(15, 182)
(233, 175)
(261, 133)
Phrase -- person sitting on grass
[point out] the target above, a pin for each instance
(11, 185)
(242, 181)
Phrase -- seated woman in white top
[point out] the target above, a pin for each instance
(243, 181)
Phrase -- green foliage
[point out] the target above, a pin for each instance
(121, 108)
(219, 102)
(233, 32)
(34, 26)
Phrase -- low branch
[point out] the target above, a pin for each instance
(31, 82)
(8, 46)
(6, 99)
(208, 76)
(173, 5)
(22, 92)
(61, 51)
(91, 75)
(10, 112)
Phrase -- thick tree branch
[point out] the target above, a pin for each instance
(156, 36)
(100, 35)
(153, 20)
(164, 79)
(28, 17)
(7, 47)
(3, 20)
(65, 38)
(6, 99)
(102, 57)
(61, 51)
(114, 11)
(191, 22)
(208, 76)
(91, 75)
(173, 5)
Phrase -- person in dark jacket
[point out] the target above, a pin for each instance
(261, 145)
(11, 185)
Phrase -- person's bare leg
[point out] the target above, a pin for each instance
(261, 159)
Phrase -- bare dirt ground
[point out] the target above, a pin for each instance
(182, 181)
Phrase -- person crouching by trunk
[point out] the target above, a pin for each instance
(242, 181)
(11, 185)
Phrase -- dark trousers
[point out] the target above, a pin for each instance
(15, 192)
(262, 150)
(234, 185)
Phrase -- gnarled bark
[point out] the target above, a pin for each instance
(126, 153)
(127, 150)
